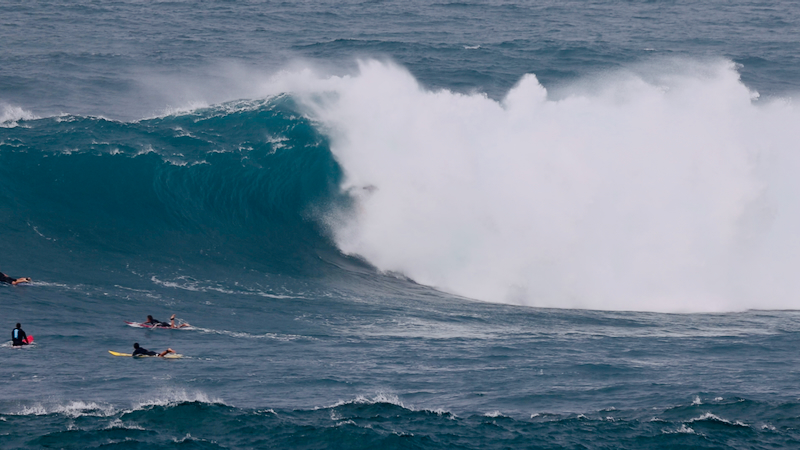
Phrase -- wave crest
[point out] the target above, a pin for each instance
(11, 115)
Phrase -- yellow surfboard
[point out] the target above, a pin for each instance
(167, 356)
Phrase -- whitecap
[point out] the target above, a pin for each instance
(11, 115)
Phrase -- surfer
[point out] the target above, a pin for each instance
(10, 280)
(140, 351)
(170, 324)
(18, 337)
(156, 323)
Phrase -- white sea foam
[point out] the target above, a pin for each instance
(171, 397)
(189, 438)
(712, 417)
(277, 142)
(145, 150)
(71, 409)
(443, 412)
(180, 110)
(188, 284)
(239, 334)
(379, 397)
(682, 430)
(36, 229)
(117, 424)
(664, 187)
(11, 115)
(74, 409)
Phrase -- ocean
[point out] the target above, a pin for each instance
(410, 225)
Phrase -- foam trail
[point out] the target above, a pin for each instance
(664, 188)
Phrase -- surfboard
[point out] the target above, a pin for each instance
(147, 325)
(143, 325)
(167, 356)
(28, 340)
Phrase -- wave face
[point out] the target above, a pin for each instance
(234, 185)
(664, 187)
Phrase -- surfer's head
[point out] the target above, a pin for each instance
(19, 326)
(136, 345)
(149, 317)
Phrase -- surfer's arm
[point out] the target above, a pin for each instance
(21, 280)
(169, 350)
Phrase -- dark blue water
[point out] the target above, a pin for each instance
(401, 224)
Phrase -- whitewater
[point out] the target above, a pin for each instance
(401, 225)
(667, 190)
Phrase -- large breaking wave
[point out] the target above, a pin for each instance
(663, 187)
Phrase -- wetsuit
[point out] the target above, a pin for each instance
(18, 337)
(6, 279)
(143, 352)
(157, 323)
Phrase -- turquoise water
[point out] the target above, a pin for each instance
(401, 224)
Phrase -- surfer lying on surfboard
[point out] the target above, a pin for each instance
(170, 324)
(140, 351)
(10, 280)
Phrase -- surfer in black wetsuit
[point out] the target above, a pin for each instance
(170, 324)
(139, 351)
(156, 323)
(9, 280)
(18, 337)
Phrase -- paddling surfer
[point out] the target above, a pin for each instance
(11, 280)
(156, 323)
(141, 351)
(170, 324)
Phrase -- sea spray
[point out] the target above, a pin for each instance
(664, 187)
